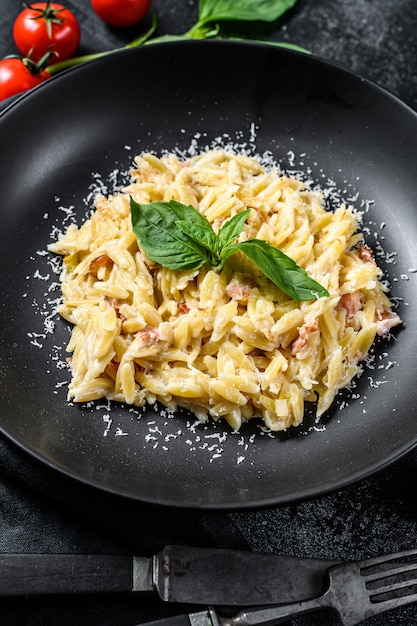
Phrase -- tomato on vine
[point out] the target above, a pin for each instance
(18, 75)
(46, 26)
(121, 12)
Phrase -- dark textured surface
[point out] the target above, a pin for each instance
(43, 512)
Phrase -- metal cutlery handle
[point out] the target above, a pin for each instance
(188, 575)
(25, 574)
(270, 616)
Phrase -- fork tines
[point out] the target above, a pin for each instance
(391, 576)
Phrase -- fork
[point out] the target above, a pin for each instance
(356, 591)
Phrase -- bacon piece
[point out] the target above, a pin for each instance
(183, 307)
(98, 262)
(352, 303)
(115, 304)
(238, 291)
(149, 335)
(365, 253)
(111, 369)
(304, 333)
(386, 321)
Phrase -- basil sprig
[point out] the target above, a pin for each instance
(211, 16)
(178, 237)
(245, 10)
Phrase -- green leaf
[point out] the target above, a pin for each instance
(231, 229)
(179, 237)
(162, 240)
(246, 10)
(226, 252)
(278, 44)
(201, 234)
(282, 270)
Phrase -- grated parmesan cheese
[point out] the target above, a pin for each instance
(198, 437)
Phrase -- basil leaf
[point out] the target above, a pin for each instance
(162, 240)
(231, 229)
(279, 44)
(177, 236)
(247, 10)
(282, 270)
(204, 235)
(226, 252)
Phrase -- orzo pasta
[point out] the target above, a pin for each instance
(231, 344)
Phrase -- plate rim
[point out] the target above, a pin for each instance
(307, 493)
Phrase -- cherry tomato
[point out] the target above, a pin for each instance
(17, 75)
(46, 26)
(121, 12)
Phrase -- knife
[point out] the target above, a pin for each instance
(190, 575)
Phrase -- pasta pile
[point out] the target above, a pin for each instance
(228, 345)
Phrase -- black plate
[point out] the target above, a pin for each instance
(311, 115)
